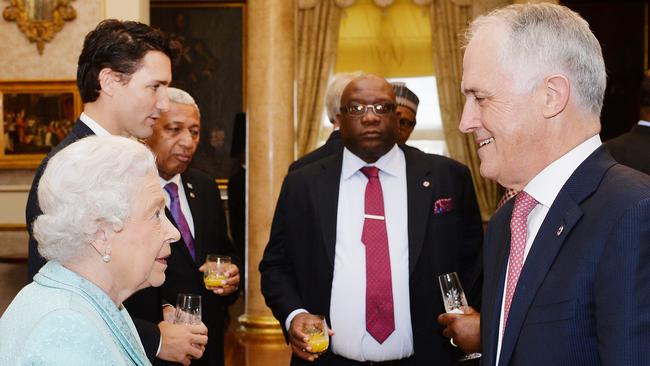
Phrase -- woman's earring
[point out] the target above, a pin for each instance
(107, 255)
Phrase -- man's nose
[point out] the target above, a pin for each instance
(470, 119)
(185, 138)
(370, 115)
(162, 99)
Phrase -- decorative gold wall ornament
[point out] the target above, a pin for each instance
(40, 20)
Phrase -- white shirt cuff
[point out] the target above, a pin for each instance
(287, 323)
(159, 346)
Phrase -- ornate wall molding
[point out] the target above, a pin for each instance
(44, 29)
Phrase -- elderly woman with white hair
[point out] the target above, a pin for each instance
(105, 235)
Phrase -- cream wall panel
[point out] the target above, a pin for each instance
(14, 199)
(127, 10)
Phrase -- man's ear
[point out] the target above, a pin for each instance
(557, 90)
(108, 80)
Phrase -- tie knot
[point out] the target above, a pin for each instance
(172, 189)
(524, 203)
(370, 171)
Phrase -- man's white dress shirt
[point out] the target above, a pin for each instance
(93, 125)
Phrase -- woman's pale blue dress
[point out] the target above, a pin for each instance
(63, 319)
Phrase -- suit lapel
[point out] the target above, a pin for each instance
(495, 263)
(419, 204)
(563, 215)
(327, 193)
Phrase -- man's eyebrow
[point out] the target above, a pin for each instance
(466, 91)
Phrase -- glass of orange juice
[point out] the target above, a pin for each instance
(214, 275)
(317, 332)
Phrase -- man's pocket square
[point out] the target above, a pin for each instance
(443, 205)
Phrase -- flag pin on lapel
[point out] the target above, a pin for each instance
(189, 185)
(426, 183)
(192, 194)
(559, 230)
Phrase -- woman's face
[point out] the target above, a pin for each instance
(139, 251)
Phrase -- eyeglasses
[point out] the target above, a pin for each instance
(406, 123)
(380, 109)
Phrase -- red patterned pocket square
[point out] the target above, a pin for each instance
(443, 205)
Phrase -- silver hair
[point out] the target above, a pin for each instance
(181, 97)
(334, 91)
(547, 38)
(89, 183)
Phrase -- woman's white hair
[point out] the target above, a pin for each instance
(88, 184)
(547, 38)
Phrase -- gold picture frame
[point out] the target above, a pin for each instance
(36, 116)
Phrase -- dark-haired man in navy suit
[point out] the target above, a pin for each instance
(567, 262)
(361, 236)
(122, 75)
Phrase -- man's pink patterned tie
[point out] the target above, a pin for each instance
(380, 316)
(524, 204)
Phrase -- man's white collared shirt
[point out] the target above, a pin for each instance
(93, 125)
(348, 304)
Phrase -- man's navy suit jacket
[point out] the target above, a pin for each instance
(583, 296)
(298, 263)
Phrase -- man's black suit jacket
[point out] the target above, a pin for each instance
(148, 332)
(182, 274)
(333, 145)
(298, 263)
(632, 148)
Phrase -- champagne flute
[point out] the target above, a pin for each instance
(454, 299)
(216, 266)
(318, 335)
(188, 309)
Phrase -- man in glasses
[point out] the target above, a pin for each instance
(407, 107)
(361, 236)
